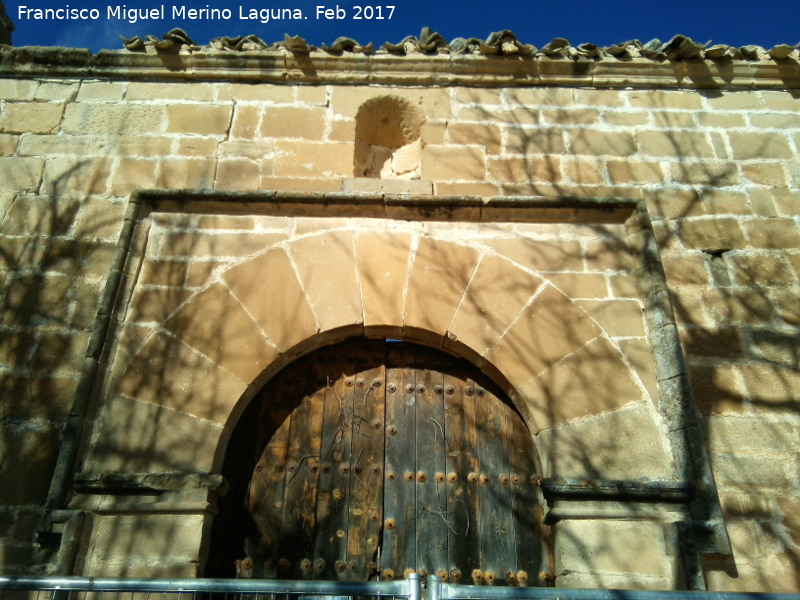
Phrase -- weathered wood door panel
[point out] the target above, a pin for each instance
(392, 459)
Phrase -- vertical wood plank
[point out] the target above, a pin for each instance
(334, 482)
(366, 481)
(462, 466)
(524, 502)
(498, 545)
(431, 511)
(265, 500)
(302, 476)
(399, 532)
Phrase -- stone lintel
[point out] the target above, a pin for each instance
(665, 501)
(616, 490)
(147, 484)
(529, 209)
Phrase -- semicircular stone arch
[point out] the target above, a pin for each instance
(557, 364)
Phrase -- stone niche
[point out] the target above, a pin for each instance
(388, 144)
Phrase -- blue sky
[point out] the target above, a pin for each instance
(733, 22)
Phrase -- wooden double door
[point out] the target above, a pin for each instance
(381, 457)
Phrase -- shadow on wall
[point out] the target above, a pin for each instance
(56, 247)
(733, 292)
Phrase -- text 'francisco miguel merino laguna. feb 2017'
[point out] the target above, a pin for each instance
(122, 12)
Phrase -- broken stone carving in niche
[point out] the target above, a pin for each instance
(388, 142)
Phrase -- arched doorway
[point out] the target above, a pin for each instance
(370, 458)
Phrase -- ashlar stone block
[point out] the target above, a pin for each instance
(548, 329)
(759, 145)
(383, 264)
(269, 288)
(164, 375)
(607, 548)
(594, 142)
(293, 122)
(137, 436)
(326, 266)
(619, 318)
(439, 275)
(496, 294)
(76, 176)
(592, 380)
(199, 119)
(31, 117)
(18, 174)
(540, 255)
(453, 163)
(215, 323)
(723, 233)
(105, 119)
(126, 545)
(621, 444)
(314, 159)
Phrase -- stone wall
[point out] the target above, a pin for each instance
(715, 171)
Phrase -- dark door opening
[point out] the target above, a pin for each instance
(373, 459)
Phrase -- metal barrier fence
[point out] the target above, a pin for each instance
(79, 588)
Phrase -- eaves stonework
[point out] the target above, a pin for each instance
(428, 60)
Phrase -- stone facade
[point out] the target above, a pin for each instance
(618, 247)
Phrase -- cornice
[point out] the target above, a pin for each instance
(280, 64)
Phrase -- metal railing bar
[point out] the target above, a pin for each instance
(400, 589)
(75, 588)
(445, 591)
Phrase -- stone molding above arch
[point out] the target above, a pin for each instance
(326, 280)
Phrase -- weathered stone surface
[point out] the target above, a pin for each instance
(383, 264)
(622, 444)
(313, 159)
(439, 274)
(599, 143)
(540, 255)
(548, 329)
(618, 318)
(163, 440)
(216, 324)
(326, 266)
(164, 374)
(303, 123)
(580, 285)
(676, 143)
(29, 456)
(124, 546)
(488, 136)
(238, 175)
(453, 163)
(751, 145)
(497, 292)
(198, 119)
(103, 119)
(268, 287)
(613, 548)
(541, 140)
(659, 100)
(31, 117)
(20, 174)
(592, 380)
